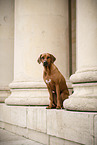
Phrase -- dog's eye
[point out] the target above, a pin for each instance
(43, 57)
(48, 57)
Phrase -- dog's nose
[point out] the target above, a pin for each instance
(45, 63)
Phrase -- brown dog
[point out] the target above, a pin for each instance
(54, 80)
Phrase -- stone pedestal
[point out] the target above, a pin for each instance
(40, 26)
(6, 47)
(84, 80)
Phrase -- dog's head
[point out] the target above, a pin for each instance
(46, 59)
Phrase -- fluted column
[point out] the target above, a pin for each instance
(6, 47)
(84, 80)
(40, 26)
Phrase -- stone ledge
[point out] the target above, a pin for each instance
(4, 93)
(50, 126)
(33, 85)
(30, 93)
(84, 76)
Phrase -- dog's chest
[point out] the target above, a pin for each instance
(50, 83)
(49, 80)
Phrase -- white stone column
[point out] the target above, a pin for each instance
(40, 26)
(6, 47)
(85, 79)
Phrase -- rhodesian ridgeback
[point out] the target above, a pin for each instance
(54, 80)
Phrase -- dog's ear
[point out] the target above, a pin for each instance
(39, 59)
(52, 58)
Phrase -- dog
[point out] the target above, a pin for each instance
(54, 80)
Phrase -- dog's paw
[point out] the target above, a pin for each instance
(58, 107)
(49, 107)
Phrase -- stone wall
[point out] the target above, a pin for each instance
(50, 127)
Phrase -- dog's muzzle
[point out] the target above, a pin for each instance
(45, 63)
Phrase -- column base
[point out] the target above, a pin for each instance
(84, 97)
(4, 93)
(28, 93)
(85, 75)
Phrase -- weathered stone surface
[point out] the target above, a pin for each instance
(84, 97)
(95, 129)
(28, 96)
(8, 138)
(38, 136)
(59, 141)
(13, 115)
(73, 126)
(36, 119)
(50, 126)
(6, 46)
(85, 77)
(4, 93)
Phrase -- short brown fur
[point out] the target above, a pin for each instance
(54, 80)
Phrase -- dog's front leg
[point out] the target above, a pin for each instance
(58, 97)
(51, 99)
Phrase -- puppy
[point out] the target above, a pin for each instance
(54, 80)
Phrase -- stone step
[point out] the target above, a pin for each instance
(8, 138)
